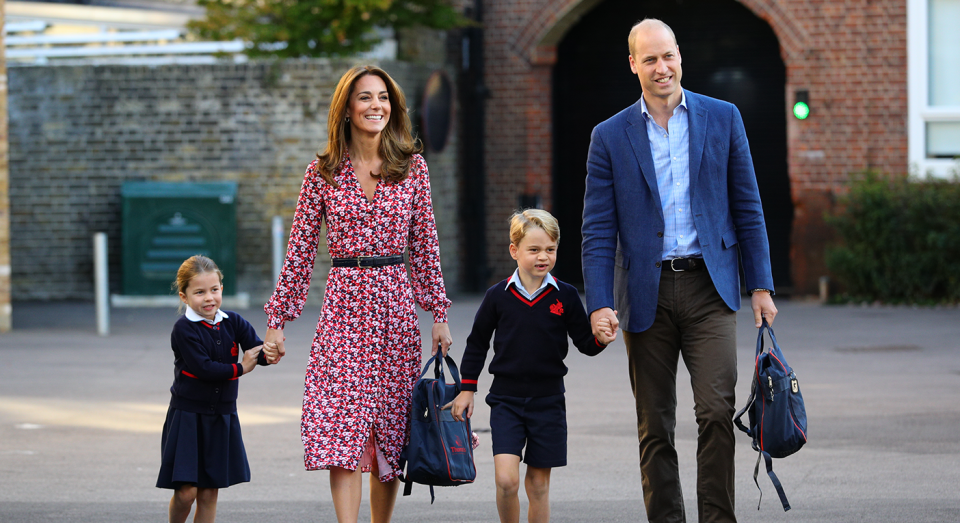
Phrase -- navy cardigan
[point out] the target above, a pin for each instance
(205, 364)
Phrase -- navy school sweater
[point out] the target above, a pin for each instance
(529, 340)
(205, 363)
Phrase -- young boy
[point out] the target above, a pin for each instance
(531, 313)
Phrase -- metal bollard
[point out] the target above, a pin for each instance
(101, 283)
(278, 250)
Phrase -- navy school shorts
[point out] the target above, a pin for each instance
(539, 424)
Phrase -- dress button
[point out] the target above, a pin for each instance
(218, 342)
(657, 264)
(659, 234)
(217, 391)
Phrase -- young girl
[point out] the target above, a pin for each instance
(201, 448)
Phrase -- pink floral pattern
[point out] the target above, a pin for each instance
(366, 353)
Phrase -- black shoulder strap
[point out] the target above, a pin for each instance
(750, 401)
(773, 478)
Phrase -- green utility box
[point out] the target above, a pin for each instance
(166, 223)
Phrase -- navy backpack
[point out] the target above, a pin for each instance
(440, 450)
(778, 419)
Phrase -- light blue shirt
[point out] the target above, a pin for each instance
(547, 280)
(671, 158)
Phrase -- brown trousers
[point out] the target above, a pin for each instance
(691, 321)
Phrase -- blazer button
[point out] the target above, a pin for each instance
(657, 264)
(659, 234)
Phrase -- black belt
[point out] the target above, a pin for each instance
(683, 264)
(368, 261)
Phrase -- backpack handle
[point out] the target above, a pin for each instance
(764, 326)
(437, 361)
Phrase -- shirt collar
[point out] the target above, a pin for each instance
(193, 316)
(547, 280)
(683, 103)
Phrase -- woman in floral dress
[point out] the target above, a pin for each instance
(371, 189)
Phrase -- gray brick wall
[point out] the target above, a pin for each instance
(77, 132)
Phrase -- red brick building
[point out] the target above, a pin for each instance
(555, 68)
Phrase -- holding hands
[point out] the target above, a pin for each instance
(249, 361)
(604, 323)
(273, 348)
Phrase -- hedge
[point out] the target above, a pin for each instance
(900, 241)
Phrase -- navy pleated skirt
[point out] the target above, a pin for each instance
(205, 450)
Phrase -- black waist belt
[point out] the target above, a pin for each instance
(683, 264)
(368, 261)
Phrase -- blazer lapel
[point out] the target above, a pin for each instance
(637, 135)
(697, 128)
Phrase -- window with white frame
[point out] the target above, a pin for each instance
(934, 85)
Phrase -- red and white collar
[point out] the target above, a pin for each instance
(547, 280)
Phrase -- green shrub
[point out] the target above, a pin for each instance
(900, 241)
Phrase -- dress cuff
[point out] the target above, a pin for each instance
(440, 316)
(275, 323)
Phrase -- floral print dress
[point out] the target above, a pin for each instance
(365, 357)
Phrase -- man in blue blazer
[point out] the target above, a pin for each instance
(671, 209)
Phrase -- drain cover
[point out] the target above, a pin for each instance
(879, 348)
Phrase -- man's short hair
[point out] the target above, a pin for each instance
(636, 28)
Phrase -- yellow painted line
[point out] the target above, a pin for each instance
(120, 416)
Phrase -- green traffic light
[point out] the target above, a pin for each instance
(801, 110)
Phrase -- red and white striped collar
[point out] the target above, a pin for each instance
(547, 280)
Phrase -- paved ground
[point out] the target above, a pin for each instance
(80, 420)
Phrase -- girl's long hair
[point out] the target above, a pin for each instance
(397, 144)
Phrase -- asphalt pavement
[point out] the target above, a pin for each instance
(80, 421)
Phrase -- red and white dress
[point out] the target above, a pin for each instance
(366, 354)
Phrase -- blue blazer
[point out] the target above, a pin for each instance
(623, 217)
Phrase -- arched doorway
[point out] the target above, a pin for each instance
(728, 53)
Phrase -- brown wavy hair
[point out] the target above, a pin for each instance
(193, 266)
(397, 143)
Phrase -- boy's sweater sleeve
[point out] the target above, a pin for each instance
(478, 343)
(197, 359)
(580, 330)
(247, 337)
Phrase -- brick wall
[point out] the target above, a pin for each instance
(78, 132)
(850, 55)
